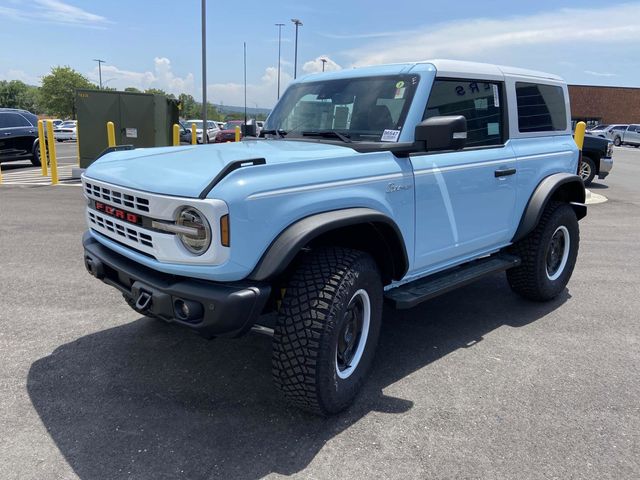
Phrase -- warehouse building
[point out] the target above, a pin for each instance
(594, 105)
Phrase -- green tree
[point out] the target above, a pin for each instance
(57, 94)
(158, 91)
(17, 94)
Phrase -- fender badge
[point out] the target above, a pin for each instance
(392, 187)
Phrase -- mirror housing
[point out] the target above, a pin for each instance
(442, 133)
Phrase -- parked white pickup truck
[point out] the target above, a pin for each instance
(630, 136)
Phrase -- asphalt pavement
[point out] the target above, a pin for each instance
(478, 383)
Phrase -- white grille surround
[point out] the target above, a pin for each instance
(164, 247)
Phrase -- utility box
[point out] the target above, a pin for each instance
(140, 119)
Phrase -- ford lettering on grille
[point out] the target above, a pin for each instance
(118, 213)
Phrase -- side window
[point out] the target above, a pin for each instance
(480, 103)
(541, 108)
(10, 119)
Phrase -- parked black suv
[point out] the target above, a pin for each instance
(18, 136)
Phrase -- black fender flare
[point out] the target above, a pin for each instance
(292, 239)
(565, 186)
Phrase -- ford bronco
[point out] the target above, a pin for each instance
(393, 183)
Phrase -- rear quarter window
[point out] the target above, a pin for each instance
(541, 108)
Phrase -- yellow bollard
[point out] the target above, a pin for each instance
(581, 127)
(111, 134)
(237, 133)
(42, 142)
(176, 135)
(52, 154)
(194, 134)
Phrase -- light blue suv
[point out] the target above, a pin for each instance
(393, 183)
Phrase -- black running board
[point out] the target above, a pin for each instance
(418, 291)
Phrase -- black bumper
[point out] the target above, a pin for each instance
(216, 309)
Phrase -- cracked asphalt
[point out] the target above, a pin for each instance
(477, 383)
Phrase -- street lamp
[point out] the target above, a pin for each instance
(205, 125)
(323, 60)
(279, 25)
(297, 23)
(100, 62)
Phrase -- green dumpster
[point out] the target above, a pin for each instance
(140, 119)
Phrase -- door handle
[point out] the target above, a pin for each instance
(504, 172)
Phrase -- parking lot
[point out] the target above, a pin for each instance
(24, 173)
(478, 383)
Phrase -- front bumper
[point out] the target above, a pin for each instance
(218, 309)
(606, 164)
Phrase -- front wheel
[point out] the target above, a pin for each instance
(327, 329)
(548, 254)
(617, 141)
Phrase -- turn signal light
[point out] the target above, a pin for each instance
(224, 231)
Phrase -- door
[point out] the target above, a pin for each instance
(465, 199)
(16, 135)
(633, 135)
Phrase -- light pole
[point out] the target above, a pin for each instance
(100, 62)
(323, 60)
(205, 129)
(297, 23)
(279, 25)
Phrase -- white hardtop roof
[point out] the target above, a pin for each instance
(444, 68)
(453, 67)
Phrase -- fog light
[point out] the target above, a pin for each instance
(186, 310)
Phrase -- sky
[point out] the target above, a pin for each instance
(158, 43)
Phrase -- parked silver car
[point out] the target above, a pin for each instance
(629, 136)
(606, 131)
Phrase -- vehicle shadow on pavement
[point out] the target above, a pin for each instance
(151, 400)
(13, 166)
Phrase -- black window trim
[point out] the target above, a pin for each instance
(502, 95)
(542, 133)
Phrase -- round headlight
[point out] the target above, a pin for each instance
(197, 235)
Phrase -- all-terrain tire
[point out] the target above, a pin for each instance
(316, 309)
(532, 278)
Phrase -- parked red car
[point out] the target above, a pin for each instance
(228, 132)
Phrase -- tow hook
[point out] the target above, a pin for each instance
(144, 301)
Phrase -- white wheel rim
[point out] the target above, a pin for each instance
(566, 242)
(585, 170)
(363, 296)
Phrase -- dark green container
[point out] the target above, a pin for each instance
(140, 119)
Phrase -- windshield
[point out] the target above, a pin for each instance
(362, 109)
(232, 125)
(197, 122)
(600, 127)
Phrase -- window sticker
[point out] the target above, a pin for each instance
(496, 96)
(399, 91)
(390, 136)
(493, 128)
(481, 103)
(400, 84)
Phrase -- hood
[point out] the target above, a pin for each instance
(186, 171)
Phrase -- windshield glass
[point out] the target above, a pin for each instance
(197, 122)
(600, 127)
(362, 109)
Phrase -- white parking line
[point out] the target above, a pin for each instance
(33, 176)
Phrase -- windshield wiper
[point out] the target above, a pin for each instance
(327, 133)
(280, 133)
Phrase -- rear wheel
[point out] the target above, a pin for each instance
(35, 159)
(548, 254)
(587, 170)
(327, 329)
(617, 141)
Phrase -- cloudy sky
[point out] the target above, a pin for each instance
(157, 43)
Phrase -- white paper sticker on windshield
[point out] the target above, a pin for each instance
(493, 128)
(496, 97)
(390, 136)
(399, 92)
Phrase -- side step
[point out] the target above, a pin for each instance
(418, 291)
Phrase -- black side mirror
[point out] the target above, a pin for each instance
(442, 133)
